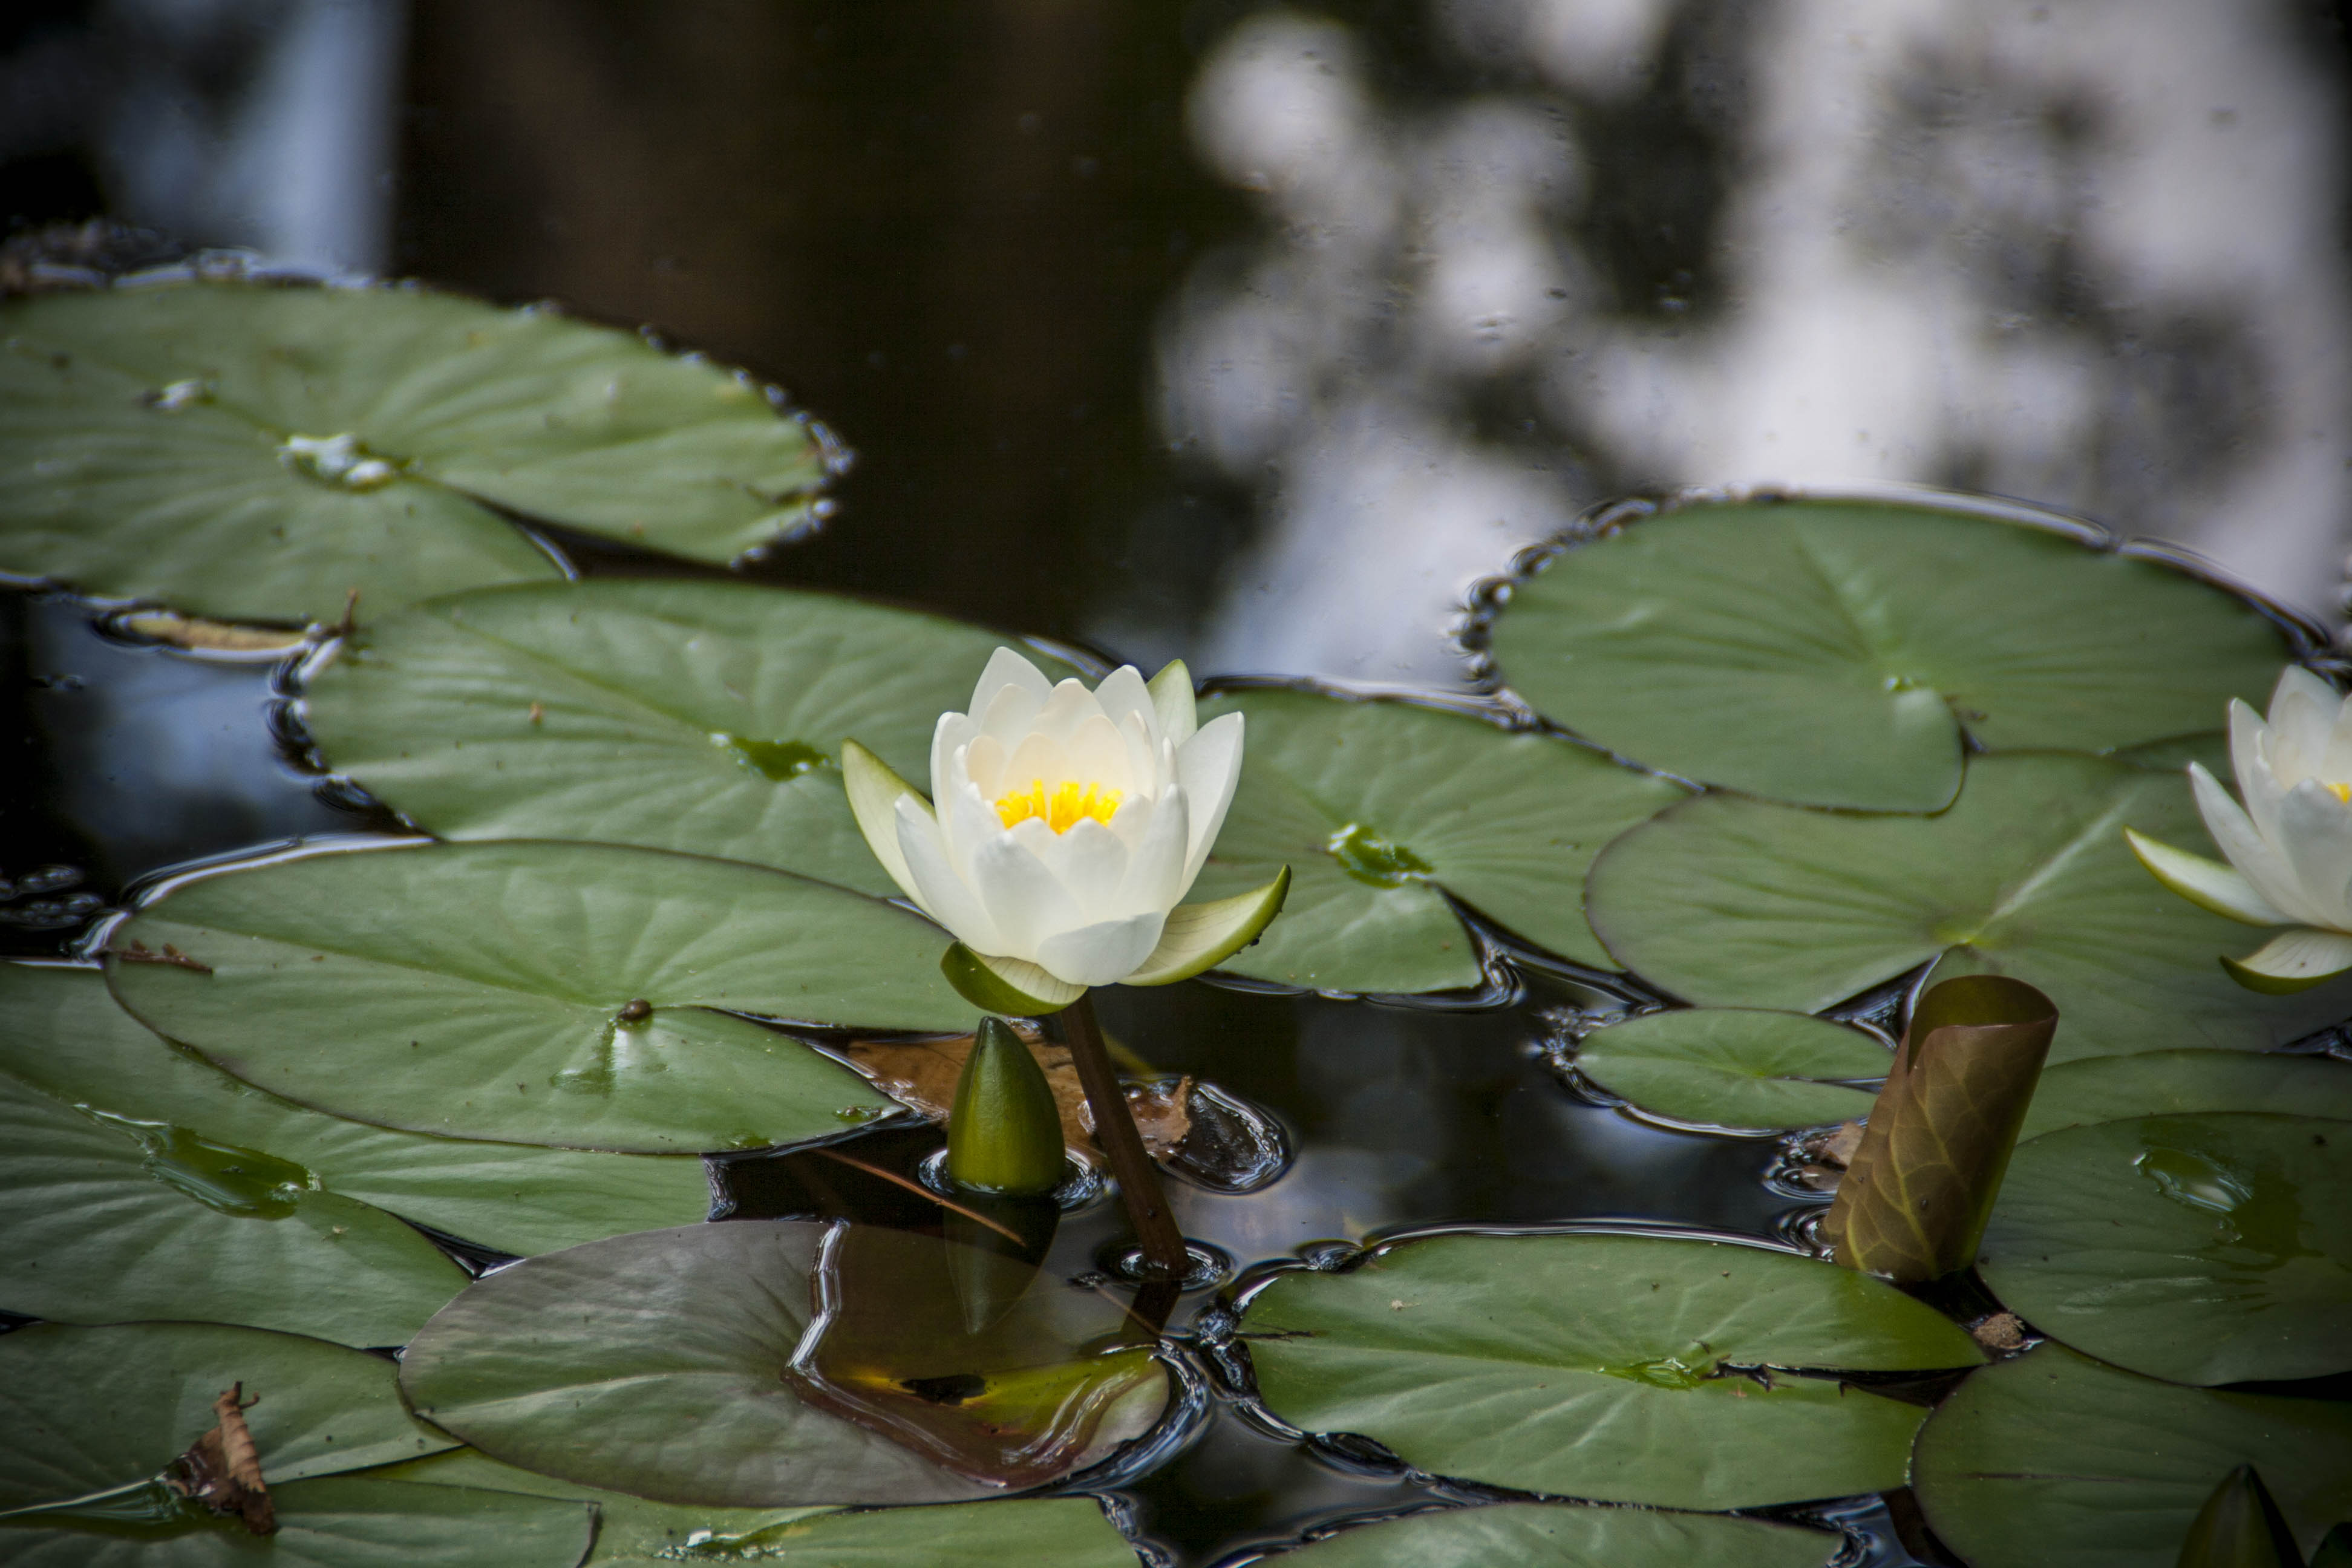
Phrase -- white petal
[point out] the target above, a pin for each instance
(2316, 839)
(1070, 706)
(1089, 861)
(1123, 692)
(1009, 712)
(1143, 758)
(1022, 896)
(2255, 859)
(953, 730)
(982, 765)
(1037, 759)
(1008, 671)
(2295, 680)
(966, 822)
(875, 794)
(1156, 875)
(2298, 745)
(1104, 954)
(1095, 753)
(2247, 732)
(2336, 765)
(942, 894)
(1209, 767)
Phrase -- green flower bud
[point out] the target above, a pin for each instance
(1005, 1134)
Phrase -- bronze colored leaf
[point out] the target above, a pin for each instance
(922, 1075)
(1914, 1202)
(221, 1469)
(2239, 1526)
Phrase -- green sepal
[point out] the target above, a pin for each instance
(2292, 961)
(1201, 936)
(2208, 884)
(1005, 1134)
(1012, 986)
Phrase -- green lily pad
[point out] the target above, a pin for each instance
(1381, 809)
(1836, 652)
(1726, 902)
(695, 716)
(2195, 1249)
(1593, 1366)
(2053, 1458)
(89, 1410)
(69, 1039)
(109, 1219)
(493, 1005)
(1045, 1532)
(337, 1522)
(1547, 1535)
(1735, 1066)
(2171, 1083)
(251, 451)
(670, 1365)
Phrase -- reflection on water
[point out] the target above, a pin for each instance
(1515, 255)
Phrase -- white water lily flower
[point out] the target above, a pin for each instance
(1065, 825)
(2290, 845)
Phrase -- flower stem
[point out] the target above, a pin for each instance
(1165, 1257)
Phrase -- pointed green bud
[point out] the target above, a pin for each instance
(1005, 1134)
(2239, 1526)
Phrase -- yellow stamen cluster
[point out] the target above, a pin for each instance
(2342, 792)
(1060, 810)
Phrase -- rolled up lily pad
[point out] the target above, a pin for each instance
(1499, 1359)
(1382, 809)
(1039, 1533)
(2170, 1083)
(1835, 652)
(1725, 902)
(536, 992)
(2053, 1458)
(251, 451)
(1547, 1535)
(88, 1410)
(69, 1039)
(1921, 1185)
(1735, 1066)
(108, 1219)
(670, 1365)
(2196, 1248)
(701, 717)
(336, 1521)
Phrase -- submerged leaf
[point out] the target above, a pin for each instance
(1914, 1202)
(1549, 1535)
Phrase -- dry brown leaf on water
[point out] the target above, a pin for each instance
(1914, 1201)
(212, 637)
(921, 1075)
(2000, 1331)
(221, 1469)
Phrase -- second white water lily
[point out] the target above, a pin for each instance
(1064, 827)
(2290, 845)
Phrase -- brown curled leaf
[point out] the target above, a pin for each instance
(922, 1075)
(1913, 1202)
(221, 1469)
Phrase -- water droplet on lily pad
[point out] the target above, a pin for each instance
(778, 760)
(1372, 859)
(343, 461)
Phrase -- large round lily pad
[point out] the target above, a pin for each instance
(68, 1039)
(1038, 1532)
(2196, 1248)
(485, 991)
(85, 1410)
(670, 1365)
(1836, 652)
(1382, 809)
(1726, 902)
(706, 717)
(1736, 1066)
(2053, 1458)
(336, 1521)
(2171, 1083)
(250, 451)
(1601, 1367)
(1547, 1535)
(108, 1219)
